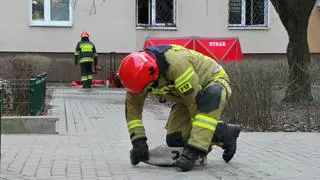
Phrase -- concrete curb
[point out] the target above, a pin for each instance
(28, 124)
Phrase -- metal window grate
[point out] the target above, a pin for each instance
(248, 13)
(158, 13)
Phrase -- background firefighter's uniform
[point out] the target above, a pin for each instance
(86, 56)
(185, 78)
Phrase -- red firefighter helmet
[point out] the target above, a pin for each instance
(137, 70)
(84, 34)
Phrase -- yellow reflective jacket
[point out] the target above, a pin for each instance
(85, 52)
(183, 73)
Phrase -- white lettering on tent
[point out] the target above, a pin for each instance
(217, 43)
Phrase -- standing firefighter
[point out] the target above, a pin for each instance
(86, 55)
(197, 84)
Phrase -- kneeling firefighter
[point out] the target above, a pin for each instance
(197, 84)
(86, 55)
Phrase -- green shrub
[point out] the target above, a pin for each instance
(23, 66)
(250, 102)
(258, 88)
(17, 70)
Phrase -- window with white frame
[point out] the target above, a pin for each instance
(156, 13)
(50, 13)
(248, 13)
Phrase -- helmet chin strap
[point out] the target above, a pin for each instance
(154, 84)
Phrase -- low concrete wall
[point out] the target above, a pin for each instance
(28, 124)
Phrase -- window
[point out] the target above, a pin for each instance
(248, 13)
(156, 13)
(51, 13)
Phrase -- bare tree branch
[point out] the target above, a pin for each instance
(103, 1)
(74, 4)
(93, 9)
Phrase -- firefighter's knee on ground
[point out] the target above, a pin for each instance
(175, 140)
(209, 99)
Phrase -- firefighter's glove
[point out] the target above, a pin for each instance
(139, 152)
(96, 69)
(188, 158)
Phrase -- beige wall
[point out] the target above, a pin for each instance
(113, 27)
(314, 31)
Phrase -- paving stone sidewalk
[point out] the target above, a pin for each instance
(93, 143)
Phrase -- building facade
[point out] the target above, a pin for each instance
(52, 27)
(122, 25)
(314, 29)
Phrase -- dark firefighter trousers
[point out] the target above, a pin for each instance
(86, 73)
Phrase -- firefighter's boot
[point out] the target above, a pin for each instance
(85, 84)
(89, 83)
(201, 160)
(189, 158)
(226, 137)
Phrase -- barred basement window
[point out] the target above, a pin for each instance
(156, 13)
(248, 13)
